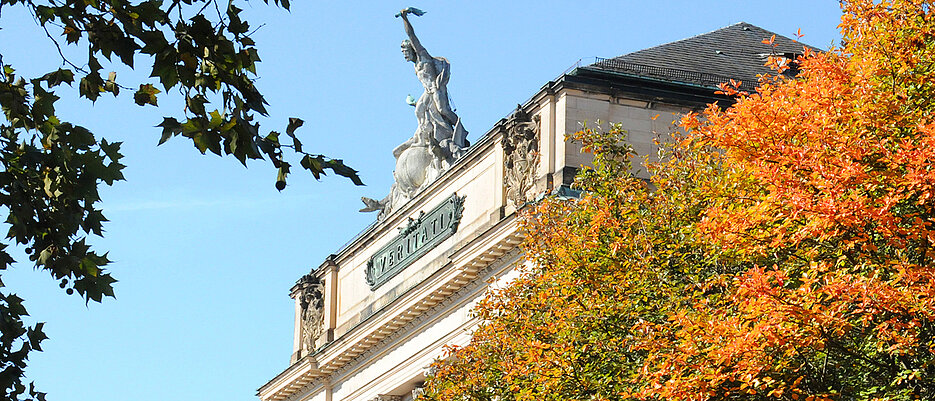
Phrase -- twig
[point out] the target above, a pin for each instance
(220, 18)
(169, 10)
(60, 53)
(207, 3)
(254, 31)
(55, 42)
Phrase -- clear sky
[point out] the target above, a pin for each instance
(206, 250)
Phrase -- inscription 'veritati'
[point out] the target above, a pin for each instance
(415, 239)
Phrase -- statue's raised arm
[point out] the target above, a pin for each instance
(438, 141)
(413, 39)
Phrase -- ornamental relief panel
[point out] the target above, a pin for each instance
(520, 156)
(311, 303)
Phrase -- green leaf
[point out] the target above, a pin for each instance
(170, 127)
(111, 149)
(5, 259)
(216, 120)
(43, 103)
(35, 336)
(154, 42)
(146, 95)
(72, 35)
(91, 86)
(202, 142)
(343, 170)
(93, 223)
(93, 64)
(206, 140)
(45, 14)
(196, 104)
(313, 165)
(126, 48)
(294, 123)
(59, 76)
(89, 267)
(236, 25)
(165, 65)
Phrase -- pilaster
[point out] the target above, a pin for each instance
(328, 273)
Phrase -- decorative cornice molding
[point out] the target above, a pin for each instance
(290, 380)
(462, 275)
(432, 312)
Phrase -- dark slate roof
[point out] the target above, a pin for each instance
(733, 52)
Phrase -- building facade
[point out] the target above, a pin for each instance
(374, 315)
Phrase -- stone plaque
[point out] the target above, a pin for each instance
(414, 240)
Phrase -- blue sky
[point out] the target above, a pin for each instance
(206, 250)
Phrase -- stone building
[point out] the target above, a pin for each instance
(372, 317)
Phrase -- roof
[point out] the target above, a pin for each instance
(733, 52)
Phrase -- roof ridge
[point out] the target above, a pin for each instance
(695, 36)
(778, 35)
(735, 51)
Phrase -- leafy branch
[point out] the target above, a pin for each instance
(51, 170)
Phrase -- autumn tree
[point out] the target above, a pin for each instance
(52, 169)
(599, 269)
(781, 252)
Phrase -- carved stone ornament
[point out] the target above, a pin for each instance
(520, 155)
(439, 139)
(387, 397)
(311, 302)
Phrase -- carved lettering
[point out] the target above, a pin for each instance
(415, 240)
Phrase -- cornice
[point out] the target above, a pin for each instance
(465, 265)
(432, 313)
(293, 378)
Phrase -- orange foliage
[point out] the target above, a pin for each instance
(784, 251)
